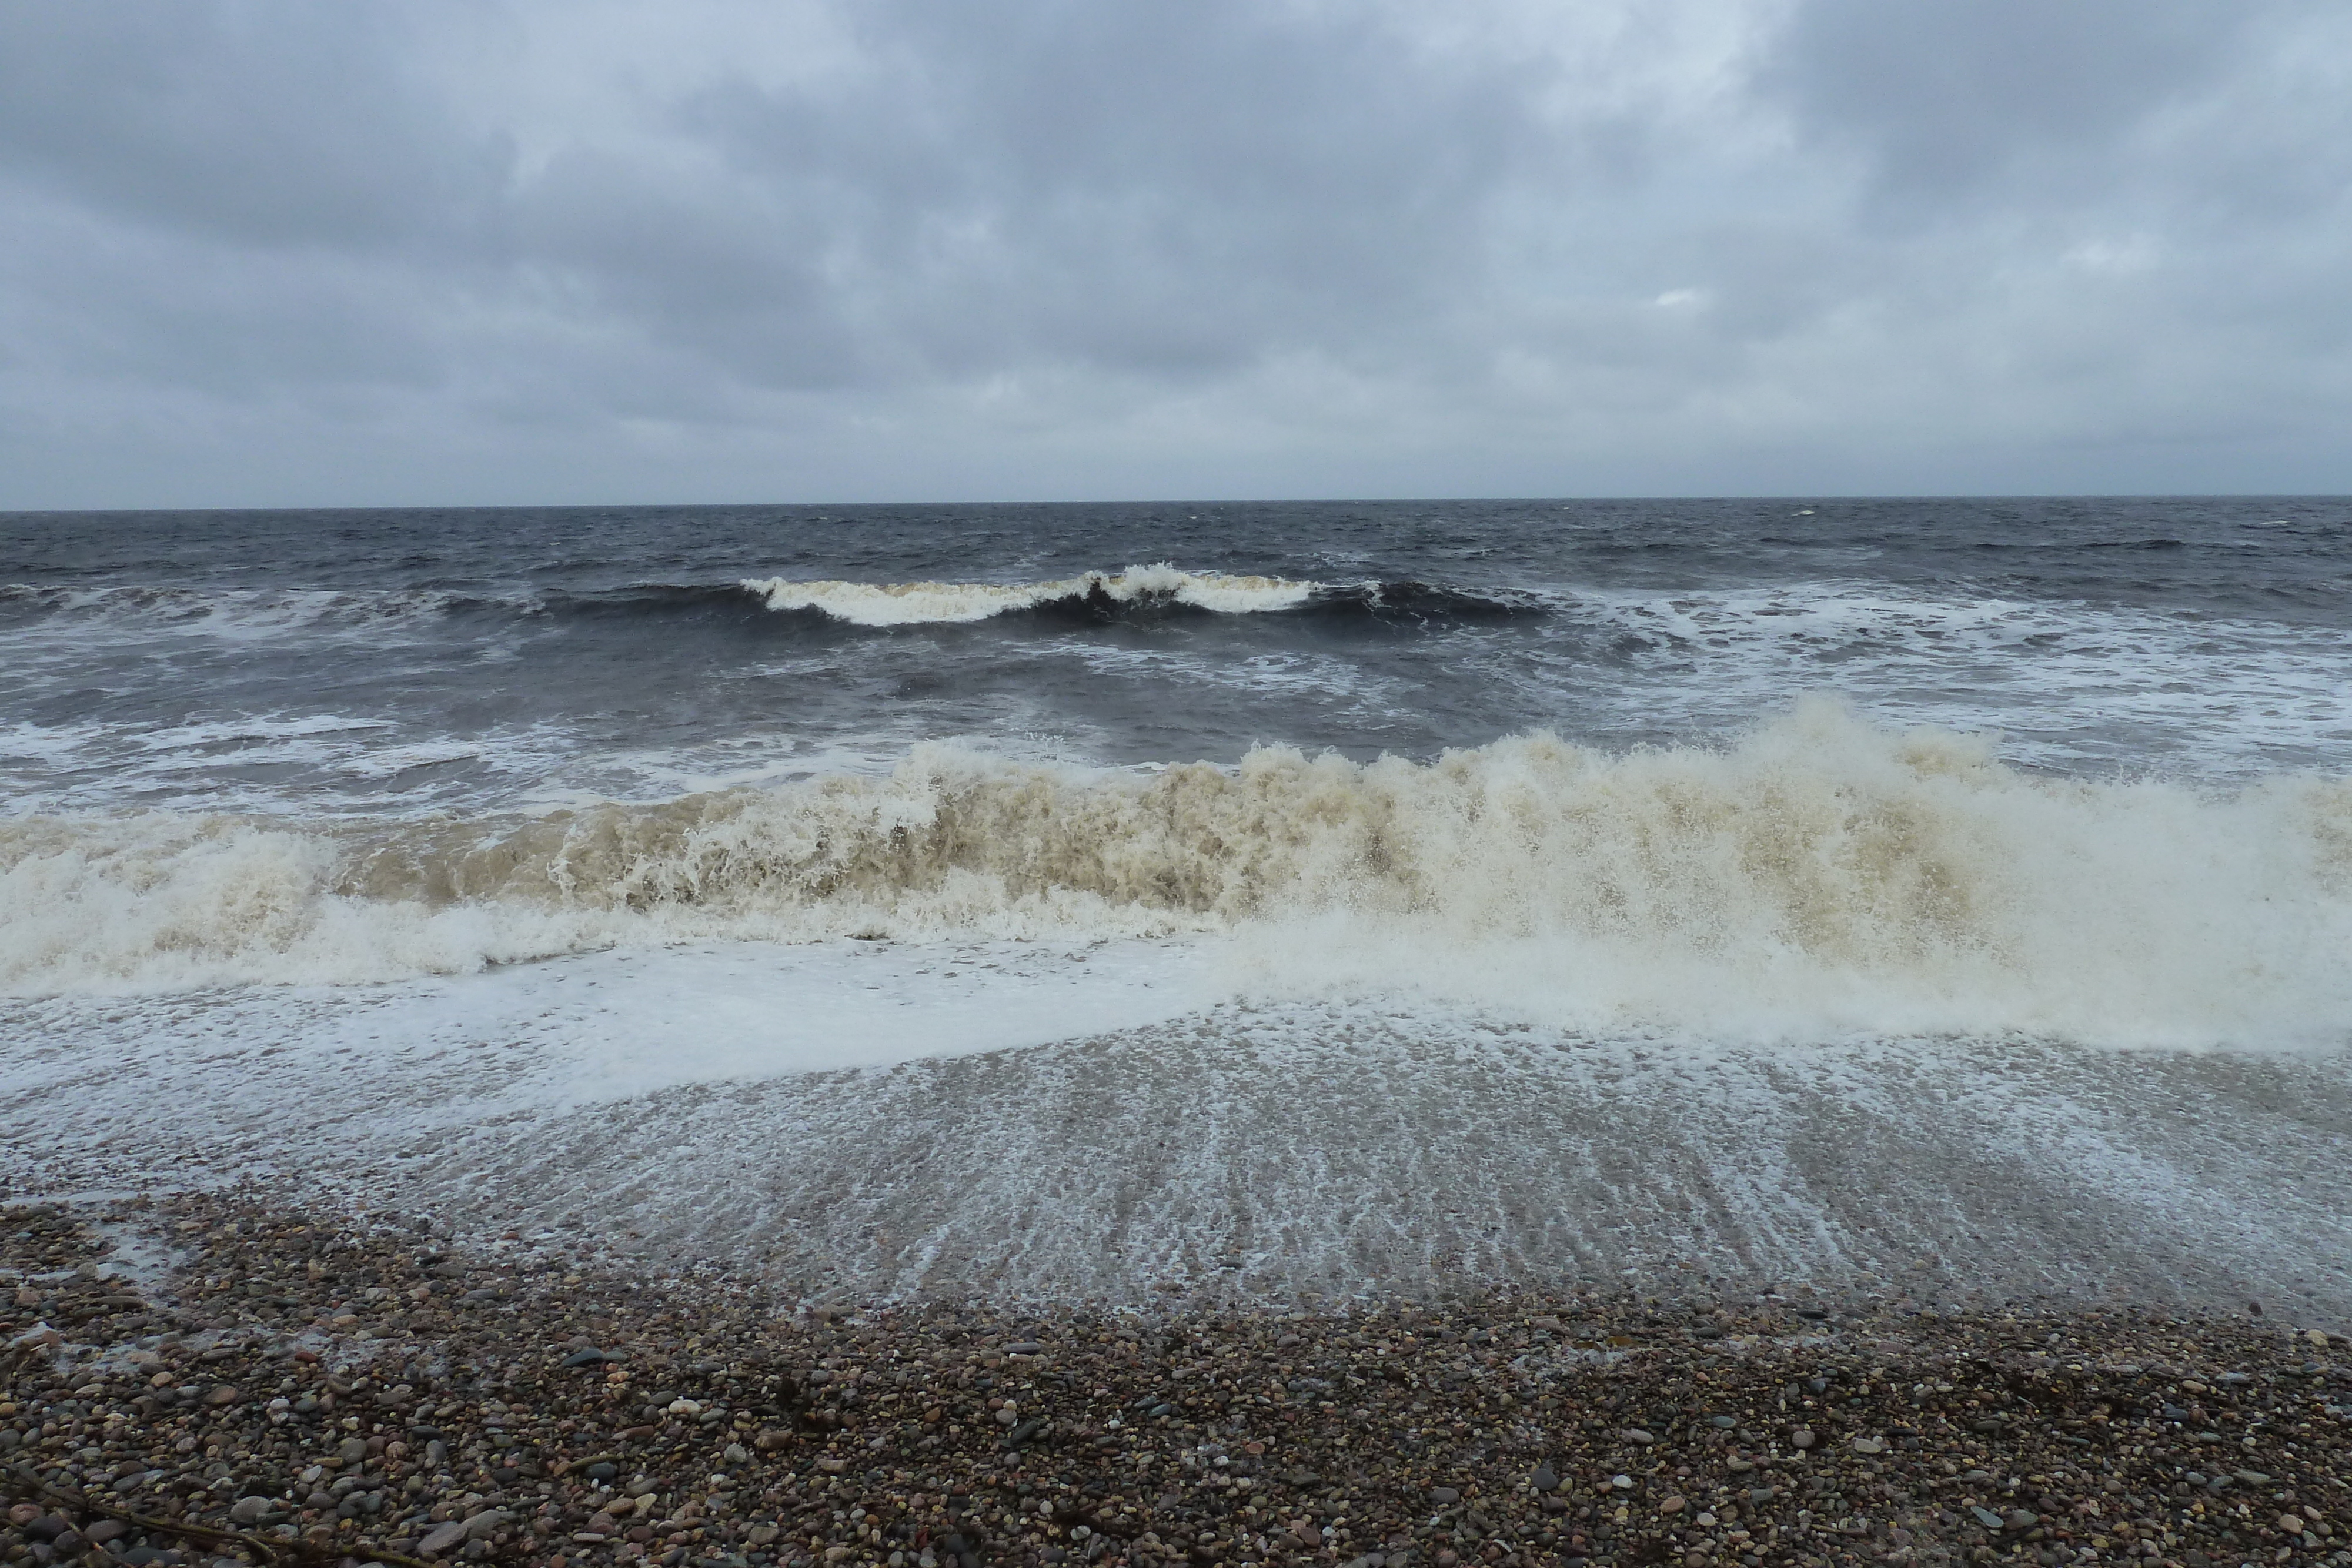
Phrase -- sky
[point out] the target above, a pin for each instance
(504, 252)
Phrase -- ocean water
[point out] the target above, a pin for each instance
(1422, 889)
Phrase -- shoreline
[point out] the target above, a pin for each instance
(369, 1387)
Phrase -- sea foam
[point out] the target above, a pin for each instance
(1818, 876)
(915, 603)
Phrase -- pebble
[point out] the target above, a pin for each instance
(714, 1430)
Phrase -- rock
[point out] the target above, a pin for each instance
(1672, 1505)
(104, 1530)
(250, 1509)
(352, 1450)
(603, 1470)
(223, 1395)
(2023, 1518)
(1444, 1496)
(1544, 1480)
(442, 1538)
(1026, 1347)
(588, 1358)
(486, 1523)
(2253, 1478)
(1986, 1517)
(1869, 1446)
(1721, 1423)
(2292, 1523)
(1802, 1437)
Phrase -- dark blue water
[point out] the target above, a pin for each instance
(377, 661)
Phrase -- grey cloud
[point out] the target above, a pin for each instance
(535, 250)
(272, 125)
(1943, 97)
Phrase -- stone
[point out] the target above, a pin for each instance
(250, 1509)
(443, 1538)
(1637, 1434)
(1721, 1423)
(104, 1530)
(352, 1450)
(1026, 1347)
(1869, 1446)
(486, 1523)
(1986, 1517)
(1544, 1480)
(2023, 1518)
(1802, 1437)
(1672, 1505)
(1444, 1496)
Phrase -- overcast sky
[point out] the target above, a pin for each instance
(489, 251)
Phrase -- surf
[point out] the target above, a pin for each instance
(1817, 874)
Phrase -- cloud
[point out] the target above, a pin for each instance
(265, 251)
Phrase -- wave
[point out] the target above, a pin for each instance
(1122, 595)
(1139, 592)
(1821, 874)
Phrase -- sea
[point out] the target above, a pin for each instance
(1935, 897)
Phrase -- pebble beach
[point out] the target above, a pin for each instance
(214, 1379)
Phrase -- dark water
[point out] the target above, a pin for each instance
(589, 868)
(396, 661)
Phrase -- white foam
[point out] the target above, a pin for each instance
(1819, 876)
(915, 603)
(2065, 683)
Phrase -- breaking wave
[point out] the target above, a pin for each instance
(1139, 592)
(1101, 595)
(1820, 874)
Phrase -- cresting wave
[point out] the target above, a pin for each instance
(910, 604)
(1140, 592)
(1820, 875)
(1101, 595)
